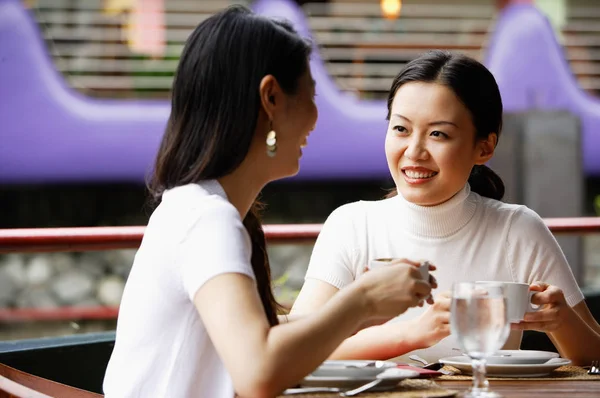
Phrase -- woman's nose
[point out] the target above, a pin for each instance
(416, 150)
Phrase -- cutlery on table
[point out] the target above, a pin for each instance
(437, 366)
(343, 393)
(309, 390)
(363, 388)
(386, 374)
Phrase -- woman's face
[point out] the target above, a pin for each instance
(293, 123)
(430, 144)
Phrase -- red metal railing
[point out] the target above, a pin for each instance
(10, 315)
(108, 238)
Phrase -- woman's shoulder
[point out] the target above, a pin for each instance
(188, 208)
(195, 201)
(520, 219)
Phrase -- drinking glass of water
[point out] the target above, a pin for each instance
(481, 326)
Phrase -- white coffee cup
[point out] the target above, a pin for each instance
(378, 262)
(518, 299)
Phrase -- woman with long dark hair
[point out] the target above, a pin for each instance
(198, 317)
(445, 119)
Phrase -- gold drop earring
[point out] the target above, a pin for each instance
(271, 143)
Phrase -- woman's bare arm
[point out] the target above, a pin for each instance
(264, 360)
(372, 340)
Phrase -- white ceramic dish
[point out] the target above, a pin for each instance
(352, 368)
(353, 382)
(521, 357)
(463, 364)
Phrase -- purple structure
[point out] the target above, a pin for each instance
(50, 133)
(532, 72)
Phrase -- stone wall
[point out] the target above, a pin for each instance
(51, 280)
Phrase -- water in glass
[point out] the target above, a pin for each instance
(479, 322)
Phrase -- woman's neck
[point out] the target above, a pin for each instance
(241, 188)
(440, 220)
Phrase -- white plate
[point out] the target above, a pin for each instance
(463, 364)
(520, 357)
(352, 368)
(353, 382)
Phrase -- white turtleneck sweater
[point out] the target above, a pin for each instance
(468, 238)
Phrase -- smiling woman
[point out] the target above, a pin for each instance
(432, 150)
(445, 117)
(444, 128)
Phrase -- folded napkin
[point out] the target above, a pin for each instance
(423, 373)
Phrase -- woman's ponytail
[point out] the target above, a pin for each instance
(486, 182)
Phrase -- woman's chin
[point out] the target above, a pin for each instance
(290, 170)
(419, 197)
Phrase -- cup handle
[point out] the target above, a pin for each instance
(530, 305)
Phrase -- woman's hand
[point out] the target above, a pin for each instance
(434, 324)
(392, 289)
(419, 264)
(554, 309)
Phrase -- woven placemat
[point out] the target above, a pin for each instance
(562, 373)
(411, 388)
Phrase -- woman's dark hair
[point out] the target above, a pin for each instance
(215, 106)
(476, 87)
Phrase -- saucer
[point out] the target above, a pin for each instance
(463, 363)
(347, 382)
(352, 368)
(520, 357)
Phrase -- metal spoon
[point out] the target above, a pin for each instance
(437, 366)
(308, 390)
(426, 365)
(386, 374)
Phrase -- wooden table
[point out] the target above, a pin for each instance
(534, 388)
(521, 388)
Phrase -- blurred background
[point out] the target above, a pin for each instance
(84, 91)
